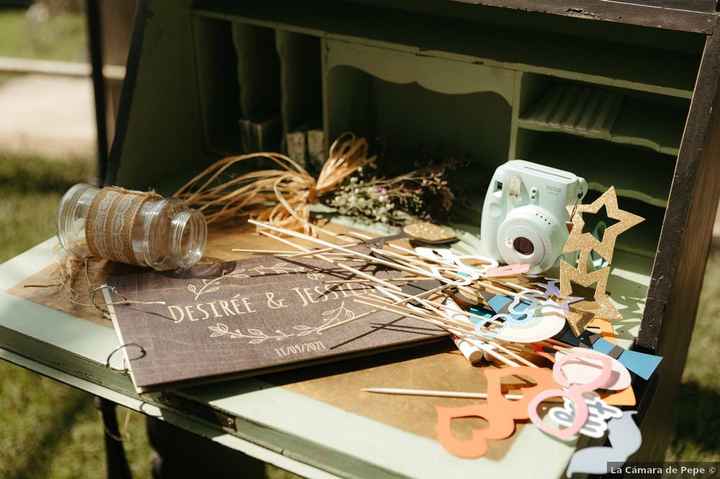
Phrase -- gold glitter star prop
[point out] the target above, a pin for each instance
(601, 306)
(578, 321)
(581, 276)
(579, 241)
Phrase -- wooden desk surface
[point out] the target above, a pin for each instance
(315, 421)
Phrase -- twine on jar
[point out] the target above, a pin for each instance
(282, 196)
(111, 221)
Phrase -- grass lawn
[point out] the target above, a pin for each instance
(697, 412)
(48, 430)
(60, 37)
(51, 431)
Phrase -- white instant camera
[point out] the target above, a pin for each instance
(525, 213)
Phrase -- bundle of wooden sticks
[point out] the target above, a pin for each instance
(498, 311)
(499, 314)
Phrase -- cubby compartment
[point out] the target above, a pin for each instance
(414, 105)
(602, 112)
(256, 85)
(635, 172)
(301, 80)
(622, 137)
(217, 85)
(260, 94)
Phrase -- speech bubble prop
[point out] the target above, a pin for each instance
(583, 372)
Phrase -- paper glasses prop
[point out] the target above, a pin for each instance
(498, 411)
(501, 412)
(572, 391)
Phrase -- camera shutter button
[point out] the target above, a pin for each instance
(515, 189)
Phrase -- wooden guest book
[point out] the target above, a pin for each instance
(249, 317)
(621, 93)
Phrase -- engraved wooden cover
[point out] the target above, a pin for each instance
(249, 317)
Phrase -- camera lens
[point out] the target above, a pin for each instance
(523, 246)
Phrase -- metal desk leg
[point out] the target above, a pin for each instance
(115, 459)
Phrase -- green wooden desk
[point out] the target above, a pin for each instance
(296, 427)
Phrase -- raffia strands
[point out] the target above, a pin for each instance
(282, 196)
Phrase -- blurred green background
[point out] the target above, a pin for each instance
(52, 431)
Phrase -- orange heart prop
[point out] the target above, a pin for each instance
(499, 412)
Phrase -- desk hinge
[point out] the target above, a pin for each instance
(200, 411)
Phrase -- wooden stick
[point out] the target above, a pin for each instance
(341, 236)
(467, 314)
(260, 251)
(405, 258)
(400, 279)
(463, 334)
(439, 313)
(409, 313)
(555, 344)
(445, 394)
(399, 248)
(491, 287)
(316, 251)
(439, 316)
(331, 261)
(512, 354)
(446, 327)
(436, 393)
(278, 252)
(437, 319)
(369, 258)
(368, 313)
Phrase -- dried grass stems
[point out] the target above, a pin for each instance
(280, 196)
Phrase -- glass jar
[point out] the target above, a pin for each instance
(130, 227)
